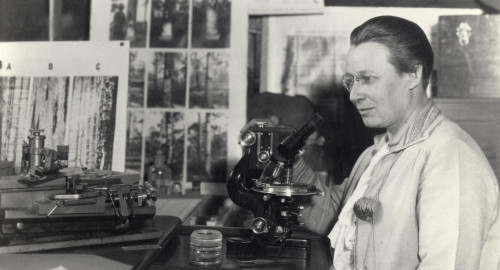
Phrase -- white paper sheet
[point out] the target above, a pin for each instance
(75, 91)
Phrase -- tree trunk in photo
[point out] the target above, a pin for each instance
(200, 139)
(164, 129)
(167, 80)
(132, 10)
(208, 90)
(170, 139)
(145, 9)
(15, 117)
(208, 143)
(157, 77)
(197, 77)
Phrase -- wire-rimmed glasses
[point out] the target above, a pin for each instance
(349, 79)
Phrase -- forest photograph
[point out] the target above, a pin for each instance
(207, 146)
(209, 80)
(165, 134)
(167, 80)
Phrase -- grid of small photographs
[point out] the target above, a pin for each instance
(178, 97)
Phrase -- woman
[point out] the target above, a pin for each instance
(424, 195)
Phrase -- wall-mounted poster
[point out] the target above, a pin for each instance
(75, 92)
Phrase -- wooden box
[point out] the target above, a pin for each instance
(469, 56)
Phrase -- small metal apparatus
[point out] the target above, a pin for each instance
(79, 202)
(38, 162)
(262, 182)
(49, 202)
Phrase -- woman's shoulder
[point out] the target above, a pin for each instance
(448, 132)
(450, 137)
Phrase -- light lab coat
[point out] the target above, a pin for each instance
(439, 205)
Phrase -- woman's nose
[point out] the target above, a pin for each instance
(356, 92)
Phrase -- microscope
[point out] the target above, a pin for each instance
(262, 182)
(39, 163)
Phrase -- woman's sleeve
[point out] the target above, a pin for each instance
(320, 213)
(454, 207)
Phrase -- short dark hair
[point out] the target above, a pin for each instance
(407, 43)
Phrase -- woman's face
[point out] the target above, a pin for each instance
(380, 93)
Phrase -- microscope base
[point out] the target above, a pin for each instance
(243, 248)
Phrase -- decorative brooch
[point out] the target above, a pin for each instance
(366, 209)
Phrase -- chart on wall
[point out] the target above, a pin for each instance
(73, 92)
(187, 74)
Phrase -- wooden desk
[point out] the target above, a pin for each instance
(176, 254)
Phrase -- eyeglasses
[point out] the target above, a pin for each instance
(363, 80)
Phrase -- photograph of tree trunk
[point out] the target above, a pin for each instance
(136, 78)
(133, 153)
(14, 94)
(165, 137)
(209, 80)
(167, 80)
(81, 115)
(207, 146)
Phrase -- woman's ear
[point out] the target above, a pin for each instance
(415, 77)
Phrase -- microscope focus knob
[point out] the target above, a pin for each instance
(259, 225)
(264, 156)
(247, 138)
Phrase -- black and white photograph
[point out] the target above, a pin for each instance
(133, 154)
(137, 78)
(167, 79)
(209, 80)
(129, 21)
(14, 92)
(83, 114)
(169, 24)
(165, 132)
(255, 134)
(206, 146)
(92, 118)
(73, 98)
(211, 24)
(32, 17)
